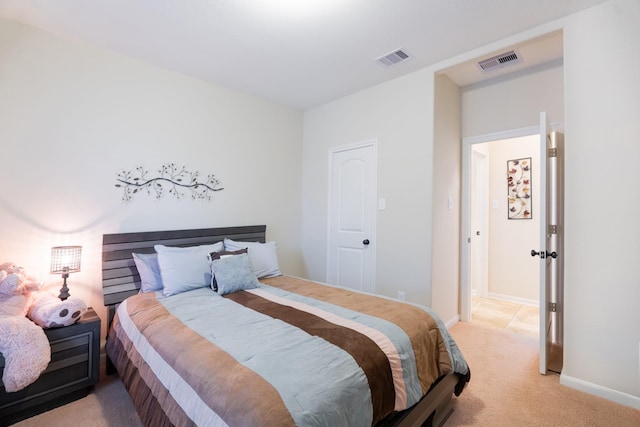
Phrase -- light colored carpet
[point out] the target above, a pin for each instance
(505, 390)
(108, 405)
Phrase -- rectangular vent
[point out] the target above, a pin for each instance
(499, 61)
(394, 57)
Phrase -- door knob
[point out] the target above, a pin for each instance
(365, 242)
(545, 254)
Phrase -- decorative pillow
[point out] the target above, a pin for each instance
(217, 255)
(147, 265)
(184, 269)
(264, 258)
(47, 311)
(233, 273)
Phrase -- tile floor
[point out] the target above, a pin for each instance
(519, 318)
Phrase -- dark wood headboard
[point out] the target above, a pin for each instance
(120, 278)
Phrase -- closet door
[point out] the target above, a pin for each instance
(352, 208)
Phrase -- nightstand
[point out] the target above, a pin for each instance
(73, 370)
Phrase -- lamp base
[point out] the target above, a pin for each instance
(64, 290)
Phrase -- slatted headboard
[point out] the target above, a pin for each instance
(120, 278)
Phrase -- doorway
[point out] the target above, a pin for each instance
(503, 273)
(499, 245)
(511, 304)
(490, 102)
(536, 150)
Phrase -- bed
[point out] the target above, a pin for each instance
(275, 351)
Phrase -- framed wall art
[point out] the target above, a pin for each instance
(519, 188)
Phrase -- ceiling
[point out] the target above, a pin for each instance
(299, 53)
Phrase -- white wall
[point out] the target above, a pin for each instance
(513, 101)
(73, 116)
(602, 284)
(398, 115)
(513, 273)
(445, 271)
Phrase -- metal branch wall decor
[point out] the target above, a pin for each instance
(519, 188)
(176, 181)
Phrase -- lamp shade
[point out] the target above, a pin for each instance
(65, 259)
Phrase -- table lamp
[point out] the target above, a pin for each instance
(65, 260)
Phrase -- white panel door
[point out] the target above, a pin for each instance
(551, 232)
(479, 224)
(545, 319)
(352, 204)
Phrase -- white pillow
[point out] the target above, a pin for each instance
(184, 269)
(149, 271)
(264, 258)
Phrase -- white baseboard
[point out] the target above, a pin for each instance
(452, 322)
(600, 391)
(517, 300)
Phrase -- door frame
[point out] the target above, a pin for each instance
(465, 214)
(372, 248)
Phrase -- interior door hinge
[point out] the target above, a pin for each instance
(552, 152)
(553, 307)
(552, 229)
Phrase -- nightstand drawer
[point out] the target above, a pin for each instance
(70, 351)
(73, 369)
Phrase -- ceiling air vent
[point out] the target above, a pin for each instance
(499, 61)
(393, 58)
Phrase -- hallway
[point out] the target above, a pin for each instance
(522, 319)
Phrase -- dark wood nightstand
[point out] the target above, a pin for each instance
(73, 370)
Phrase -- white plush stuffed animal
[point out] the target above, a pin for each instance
(16, 289)
(23, 344)
(24, 311)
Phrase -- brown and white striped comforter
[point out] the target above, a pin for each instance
(291, 352)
